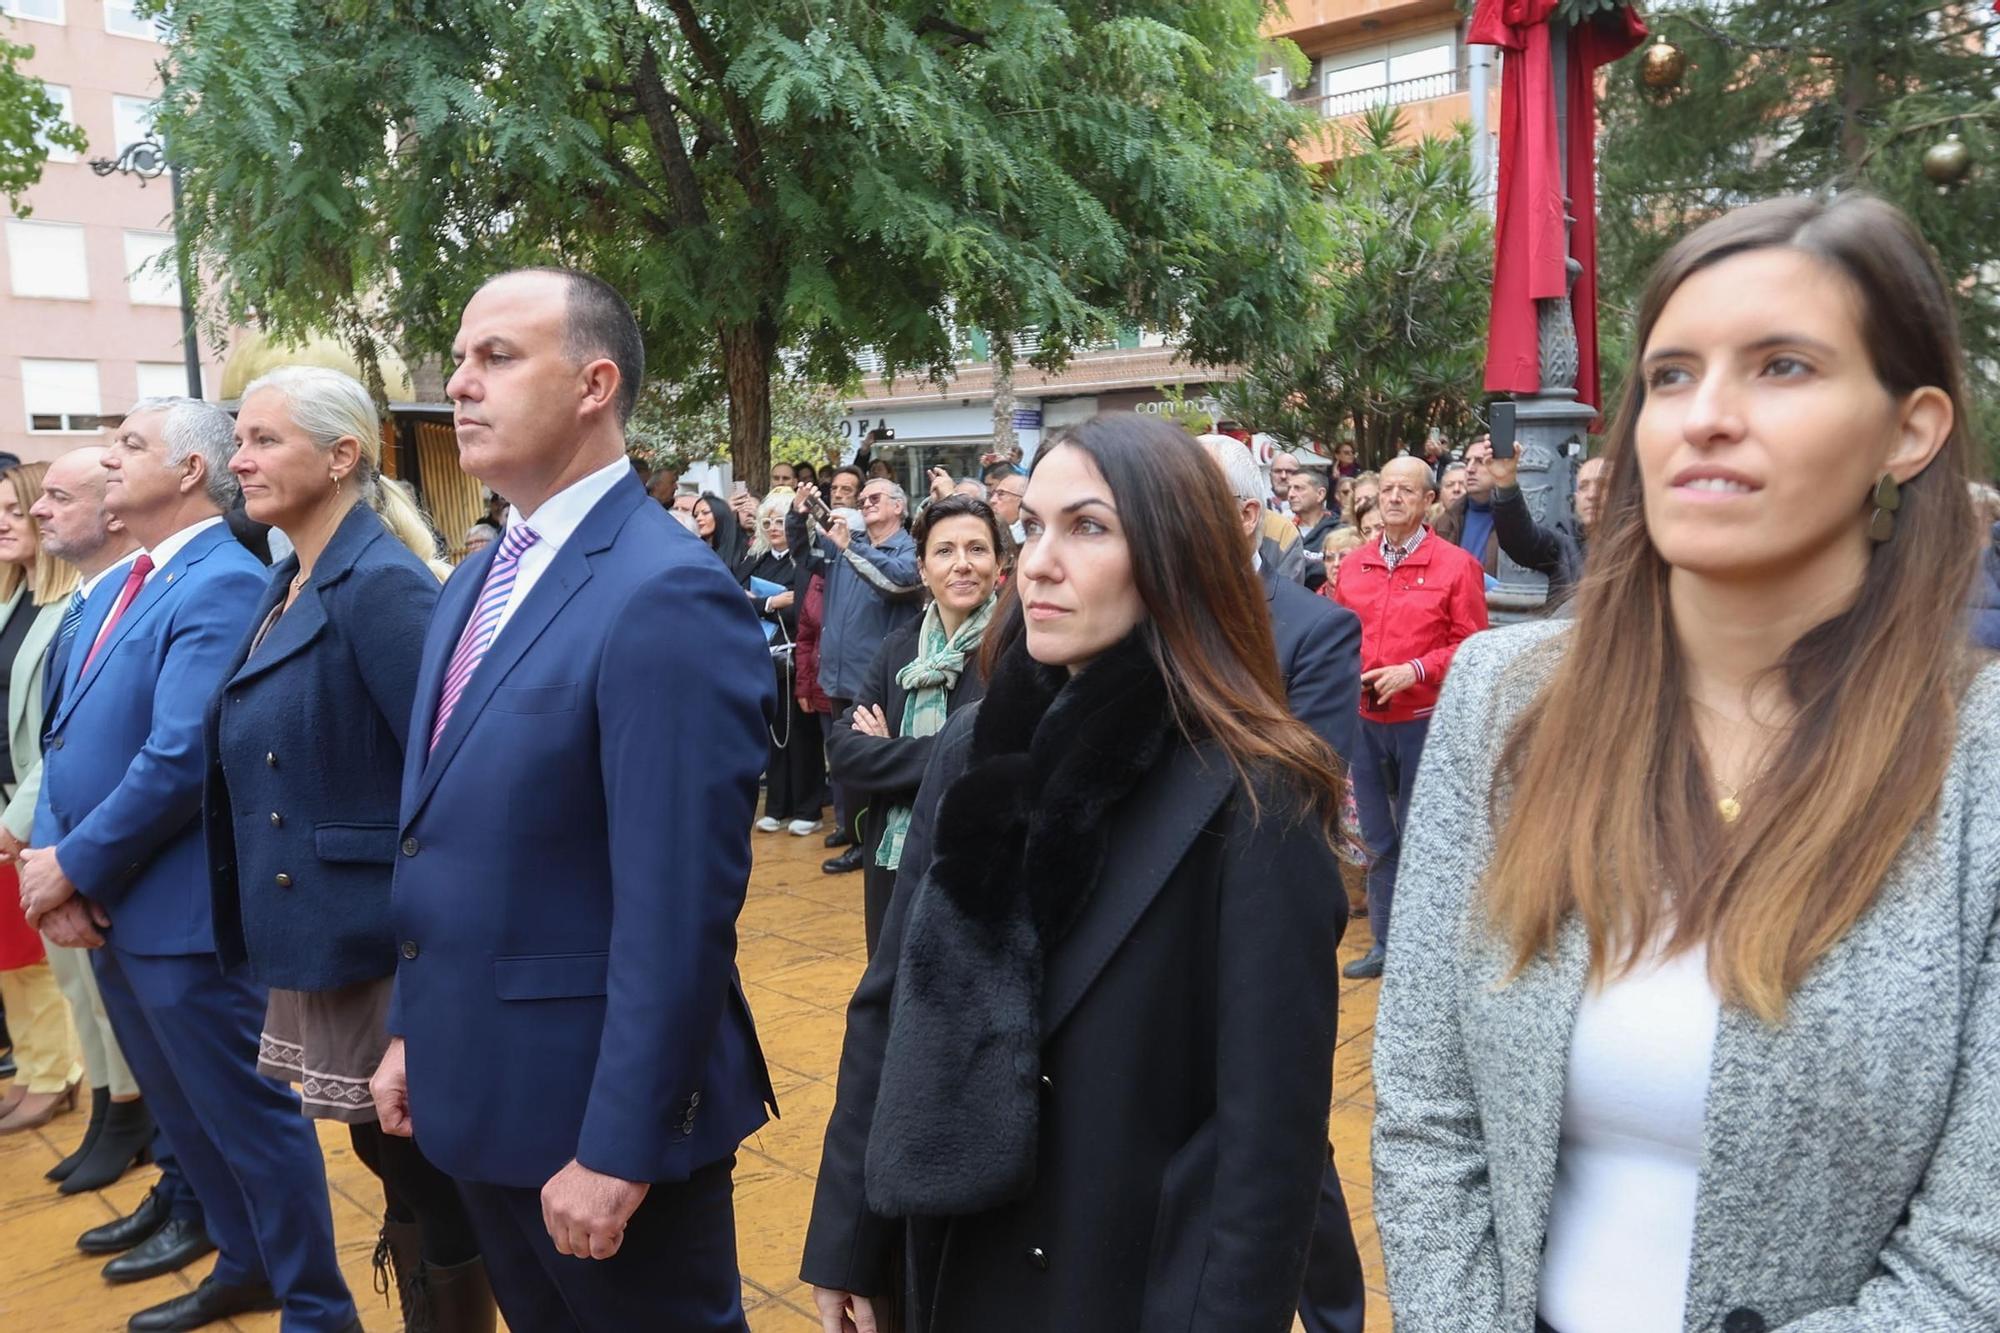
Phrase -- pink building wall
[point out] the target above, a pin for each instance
(107, 328)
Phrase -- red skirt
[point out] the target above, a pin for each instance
(20, 944)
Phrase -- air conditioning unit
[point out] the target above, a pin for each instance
(1275, 83)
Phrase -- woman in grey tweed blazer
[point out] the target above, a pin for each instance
(1845, 1175)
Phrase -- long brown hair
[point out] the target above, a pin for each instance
(1638, 847)
(1206, 625)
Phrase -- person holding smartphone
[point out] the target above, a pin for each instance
(1491, 518)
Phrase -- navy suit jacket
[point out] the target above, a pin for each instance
(1319, 655)
(305, 746)
(122, 758)
(573, 857)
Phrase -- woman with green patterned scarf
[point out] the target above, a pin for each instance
(924, 674)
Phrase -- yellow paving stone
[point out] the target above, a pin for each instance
(800, 954)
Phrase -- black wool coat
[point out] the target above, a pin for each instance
(1187, 1025)
(884, 772)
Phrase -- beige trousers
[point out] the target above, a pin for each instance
(38, 1018)
(103, 1062)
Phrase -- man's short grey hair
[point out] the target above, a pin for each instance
(1246, 479)
(896, 492)
(1317, 476)
(191, 426)
(978, 486)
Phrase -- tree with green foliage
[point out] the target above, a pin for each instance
(30, 122)
(1795, 96)
(813, 176)
(676, 427)
(1394, 342)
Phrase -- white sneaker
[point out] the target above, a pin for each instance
(804, 828)
(769, 825)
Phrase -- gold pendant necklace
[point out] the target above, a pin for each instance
(1728, 807)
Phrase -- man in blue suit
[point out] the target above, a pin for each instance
(121, 792)
(584, 752)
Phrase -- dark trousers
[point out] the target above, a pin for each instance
(795, 769)
(172, 1186)
(878, 883)
(414, 1191)
(1334, 1298)
(189, 1030)
(844, 813)
(1390, 752)
(676, 1269)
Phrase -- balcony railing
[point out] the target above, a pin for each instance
(1422, 89)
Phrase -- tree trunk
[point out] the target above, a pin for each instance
(748, 352)
(1004, 438)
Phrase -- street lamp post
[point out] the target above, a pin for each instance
(1552, 424)
(147, 160)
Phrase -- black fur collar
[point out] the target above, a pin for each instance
(1020, 843)
(1051, 755)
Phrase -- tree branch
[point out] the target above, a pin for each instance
(960, 36)
(749, 144)
(1935, 122)
(655, 103)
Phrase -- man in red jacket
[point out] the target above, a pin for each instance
(1418, 598)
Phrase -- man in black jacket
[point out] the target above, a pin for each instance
(1319, 654)
(1493, 518)
(1309, 510)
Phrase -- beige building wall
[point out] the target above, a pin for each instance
(100, 322)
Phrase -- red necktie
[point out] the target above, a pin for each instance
(133, 582)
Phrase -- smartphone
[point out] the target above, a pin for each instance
(817, 507)
(741, 488)
(1501, 420)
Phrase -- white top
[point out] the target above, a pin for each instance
(555, 521)
(170, 546)
(1621, 1221)
(89, 585)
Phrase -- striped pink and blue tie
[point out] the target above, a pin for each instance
(478, 634)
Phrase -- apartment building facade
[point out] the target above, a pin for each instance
(88, 325)
(1409, 54)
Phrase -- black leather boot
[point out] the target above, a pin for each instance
(461, 1297)
(100, 1105)
(125, 1141)
(399, 1256)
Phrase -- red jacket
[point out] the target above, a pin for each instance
(805, 650)
(1433, 601)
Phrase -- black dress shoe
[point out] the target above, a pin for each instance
(840, 837)
(132, 1229)
(173, 1247)
(847, 862)
(210, 1303)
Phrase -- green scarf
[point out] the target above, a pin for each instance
(930, 677)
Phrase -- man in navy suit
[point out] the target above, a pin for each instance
(584, 753)
(1319, 652)
(121, 788)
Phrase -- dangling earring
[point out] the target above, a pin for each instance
(1888, 499)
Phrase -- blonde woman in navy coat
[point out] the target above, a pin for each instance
(305, 756)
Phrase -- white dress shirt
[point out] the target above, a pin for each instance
(172, 546)
(555, 521)
(89, 585)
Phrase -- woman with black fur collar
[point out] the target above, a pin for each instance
(1086, 1074)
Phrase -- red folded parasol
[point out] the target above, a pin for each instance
(1529, 245)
